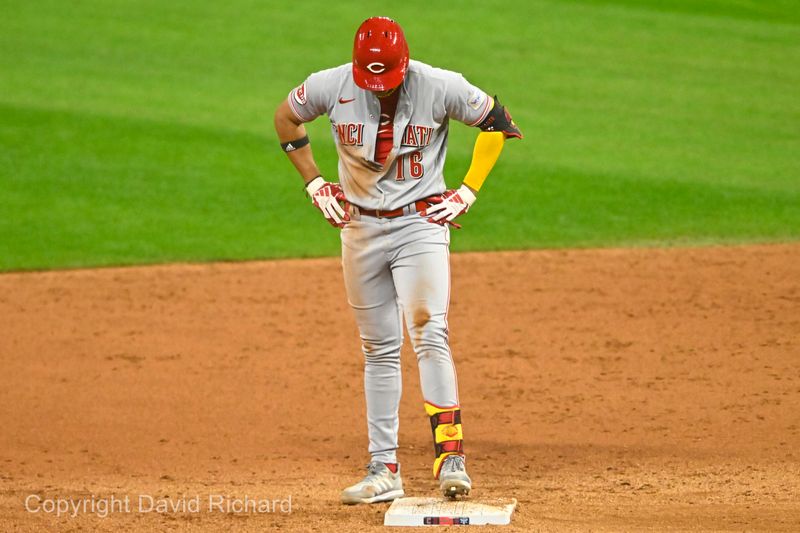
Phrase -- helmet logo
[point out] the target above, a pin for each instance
(376, 68)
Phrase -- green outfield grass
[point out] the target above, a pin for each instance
(141, 131)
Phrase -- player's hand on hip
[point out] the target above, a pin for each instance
(326, 197)
(449, 205)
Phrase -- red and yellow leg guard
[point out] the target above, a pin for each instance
(447, 433)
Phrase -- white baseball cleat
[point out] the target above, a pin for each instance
(453, 478)
(380, 485)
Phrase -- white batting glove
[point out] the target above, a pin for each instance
(326, 197)
(450, 205)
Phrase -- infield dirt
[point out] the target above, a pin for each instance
(606, 390)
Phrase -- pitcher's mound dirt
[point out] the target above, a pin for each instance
(608, 390)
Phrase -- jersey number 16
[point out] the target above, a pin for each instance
(414, 163)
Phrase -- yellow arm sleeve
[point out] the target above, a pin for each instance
(487, 149)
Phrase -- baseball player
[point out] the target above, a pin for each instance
(389, 118)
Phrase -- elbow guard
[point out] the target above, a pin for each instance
(499, 119)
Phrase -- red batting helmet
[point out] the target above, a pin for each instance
(380, 54)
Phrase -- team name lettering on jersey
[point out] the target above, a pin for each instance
(350, 134)
(416, 135)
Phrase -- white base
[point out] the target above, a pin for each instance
(439, 512)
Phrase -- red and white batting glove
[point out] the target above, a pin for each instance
(326, 197)
(450, 205)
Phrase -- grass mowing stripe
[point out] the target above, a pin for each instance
(231, 212)
(562, 207)
(774, 11)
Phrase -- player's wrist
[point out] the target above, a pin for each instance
(467, 194)
(314, 185)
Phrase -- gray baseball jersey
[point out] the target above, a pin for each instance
(414, 168)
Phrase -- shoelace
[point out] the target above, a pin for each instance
(454, 463)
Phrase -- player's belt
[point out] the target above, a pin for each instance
(409, 209)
